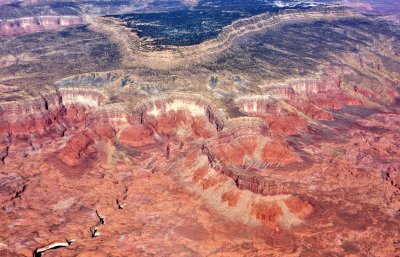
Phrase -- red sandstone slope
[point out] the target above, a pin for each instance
(175, 175)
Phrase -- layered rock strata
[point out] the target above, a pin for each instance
(29, 25)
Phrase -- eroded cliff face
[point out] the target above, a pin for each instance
(279, 169)
(167, 126)
(22, 26)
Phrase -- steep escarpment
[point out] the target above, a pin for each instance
(289, 106)
(39, 113)
(211, 48)
(36, 114)
(263, 22)
(197, 105)
(22, 26)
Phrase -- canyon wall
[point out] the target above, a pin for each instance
(29, 25)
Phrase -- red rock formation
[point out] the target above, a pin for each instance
(285, 123)
(268, 214)
(231, 197)
(28, 117)
(278, 151)
(77, 149)
(301, 208)
(364, 92)
(137, 136)
(240, 168)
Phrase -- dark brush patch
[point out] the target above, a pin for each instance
(200, 23)
(299, 48)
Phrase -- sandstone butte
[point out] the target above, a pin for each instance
(304, 167)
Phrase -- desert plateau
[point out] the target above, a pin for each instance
(218, 128)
